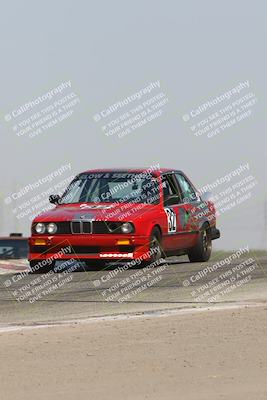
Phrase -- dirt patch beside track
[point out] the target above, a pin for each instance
(195, 356)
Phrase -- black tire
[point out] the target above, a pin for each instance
(155, 243)
(202, 251)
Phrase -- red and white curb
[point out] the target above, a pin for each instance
(13, 266)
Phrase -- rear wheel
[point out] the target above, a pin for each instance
(202, 251)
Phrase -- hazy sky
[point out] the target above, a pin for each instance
(109, 50)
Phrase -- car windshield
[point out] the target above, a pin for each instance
(113, 187)
(13, 249)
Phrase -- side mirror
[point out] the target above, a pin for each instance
(171, 200)
(206, 196)
(54, 198)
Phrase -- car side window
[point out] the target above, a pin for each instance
(188, 191)
(170, 190)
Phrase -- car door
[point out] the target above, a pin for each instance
(193, 208)
(175, 229)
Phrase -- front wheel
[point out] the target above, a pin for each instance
(155, 247)
(202, 251)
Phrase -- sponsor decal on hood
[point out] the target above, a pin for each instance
(94, 207)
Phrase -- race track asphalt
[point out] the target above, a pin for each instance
(29, 299)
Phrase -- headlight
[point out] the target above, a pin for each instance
(127, 227)
(51, 228)
(40, 228)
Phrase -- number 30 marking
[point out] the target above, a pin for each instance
(171, 218)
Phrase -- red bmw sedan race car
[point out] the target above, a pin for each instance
(124, 215)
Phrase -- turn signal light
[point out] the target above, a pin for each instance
(123, 242)
(40, 242)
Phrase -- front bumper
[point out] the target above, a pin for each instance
(84, 247)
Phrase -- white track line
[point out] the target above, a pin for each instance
(121, 317)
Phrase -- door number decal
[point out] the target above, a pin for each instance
(171, 218)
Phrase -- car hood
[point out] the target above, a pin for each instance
(103, 211)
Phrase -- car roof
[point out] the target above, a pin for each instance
(136, 170)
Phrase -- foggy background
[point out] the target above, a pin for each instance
(112, 49)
